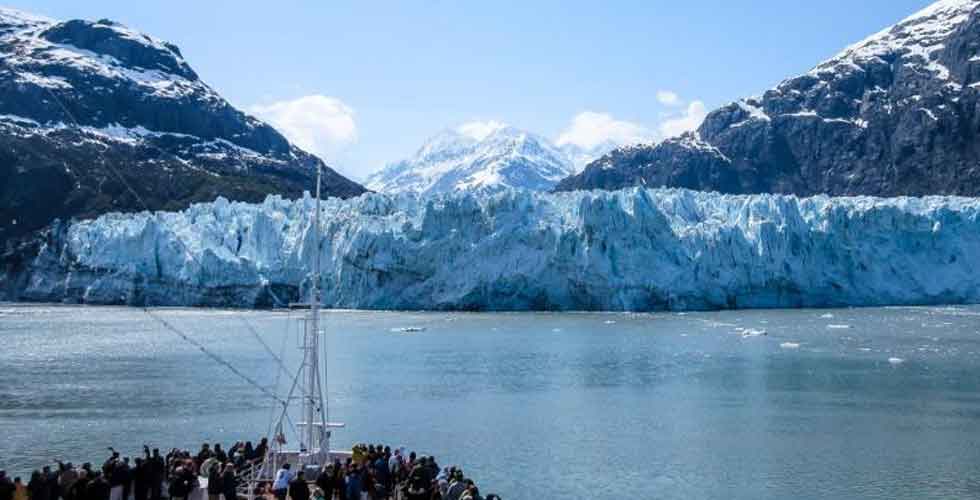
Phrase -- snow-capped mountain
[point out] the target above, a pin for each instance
(895, 114)
(83, 103)
(488, 157)
(632, 249)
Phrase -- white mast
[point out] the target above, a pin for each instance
(315, 436)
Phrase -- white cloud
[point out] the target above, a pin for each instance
(590, 129)
(691, 118)
(319, 124)
(479, 130)
(668, 98)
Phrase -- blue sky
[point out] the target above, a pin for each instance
(365, 83)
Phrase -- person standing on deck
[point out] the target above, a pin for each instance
(281, 485)
(98, 489)
(203, 455)
(339, 483)
(156, 471)
(51, 481)
(219, 453)
(380, 470)
(122, 475)
(324, 481)
(37, 487)
(261, 449)
(456, 486)
(298, 487)
(229, 483)
(66, 479)
(215, 486)
(20, 489)
(141, 480)
(353, 483)
(79, 489)
(7, 488)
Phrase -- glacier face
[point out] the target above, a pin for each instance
(635, 249)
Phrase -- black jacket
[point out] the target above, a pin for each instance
(6, 489)
(229, 485)
(98, 489)
(214, 481)
(299, 490)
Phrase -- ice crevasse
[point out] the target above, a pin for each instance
(634, 249)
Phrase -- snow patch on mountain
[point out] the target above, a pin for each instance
(480, 156)
(634, 249)
(918, 38)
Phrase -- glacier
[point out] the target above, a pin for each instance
(630, 250)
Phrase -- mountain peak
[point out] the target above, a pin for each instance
(918, 36)
(83, 103)
(476, 156)
(894, 114)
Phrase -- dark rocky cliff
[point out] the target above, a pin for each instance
(896, 114)
(84, 104)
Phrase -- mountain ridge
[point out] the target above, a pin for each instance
(97, 117)
(484, 157)
(894, 114)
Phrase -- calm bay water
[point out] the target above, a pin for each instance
(857, 403)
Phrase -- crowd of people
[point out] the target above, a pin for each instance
(151, 476)
(376, 472)
(373, 472)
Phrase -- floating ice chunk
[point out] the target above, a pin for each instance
(610, 322)
(790, 345)
(827, 316)
(838, 327)
(408, 329)
(896, 361)
(864, 349)
(751, 332)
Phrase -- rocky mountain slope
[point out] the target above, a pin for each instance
(634, 249)
(84, 103)
(487, 160)
(895, 114)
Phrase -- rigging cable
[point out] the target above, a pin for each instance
(170, 327)
(258, 338)
(265, 281)
(166, 324)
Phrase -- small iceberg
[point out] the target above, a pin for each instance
(827, 316)
(610, 322)
(750, 332)
(838, 327)
(408, 329)
(790, 345)
(896, 361)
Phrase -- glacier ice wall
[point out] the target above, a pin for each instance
(634, 249)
